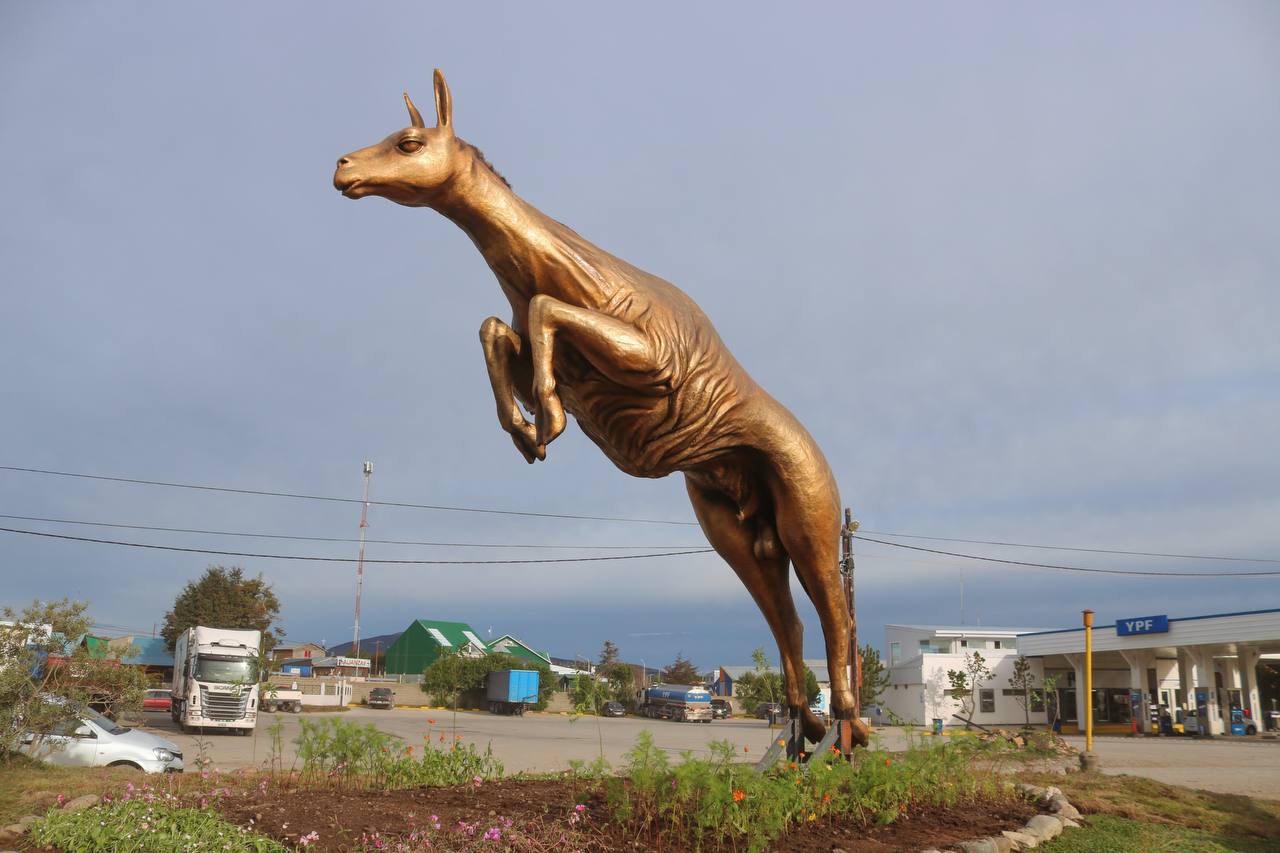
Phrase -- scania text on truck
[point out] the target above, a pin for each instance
(676, 702)
(215, 679)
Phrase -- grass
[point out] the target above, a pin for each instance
(151, 826)
(31, 787)
(1109, 834)
(1151, 802)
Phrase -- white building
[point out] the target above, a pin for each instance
(919, 657)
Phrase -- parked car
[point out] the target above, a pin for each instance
(612, 709)
(381, 697)
(157, 700)
(765, 710)
(721, 709)
(95, 741)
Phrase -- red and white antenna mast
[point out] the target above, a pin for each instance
(364, 524)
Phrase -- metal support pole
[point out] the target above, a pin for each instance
(1088, 761)
(846, 570)
(364, 524)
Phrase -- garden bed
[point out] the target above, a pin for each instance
(541, 809)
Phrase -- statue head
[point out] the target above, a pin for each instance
(410, 165)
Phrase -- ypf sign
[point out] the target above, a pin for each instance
(1142, 625)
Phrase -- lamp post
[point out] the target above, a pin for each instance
(1088, 761)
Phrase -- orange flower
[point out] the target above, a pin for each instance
(739, 796)
(886, 762)
(744, 749)
(791, 765)
(835, 750)
(457, 737)
(442, 737)
(431, 722)
(798, 780)
(826, 798)
(408, 750)
(781, 742)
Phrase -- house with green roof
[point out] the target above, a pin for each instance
(425, 640)
(507, 644)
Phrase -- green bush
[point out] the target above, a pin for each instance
(451, 677)
(350, 754)
(710, 800)
(137, 826)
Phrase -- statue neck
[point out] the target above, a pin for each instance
(503, 226)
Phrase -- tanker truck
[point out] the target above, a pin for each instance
(676, 702)
(215, 679)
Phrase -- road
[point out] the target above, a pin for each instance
(548, 742)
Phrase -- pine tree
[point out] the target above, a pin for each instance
(224, 598)
(681, 671)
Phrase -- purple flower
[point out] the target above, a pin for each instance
(494, 834)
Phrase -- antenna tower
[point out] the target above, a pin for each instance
(364, 524)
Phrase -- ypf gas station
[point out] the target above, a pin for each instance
(1156, 674)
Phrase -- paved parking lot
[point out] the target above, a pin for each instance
(1227, 765)
(535, 742)
(547, 742)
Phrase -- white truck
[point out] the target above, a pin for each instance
(215, 679)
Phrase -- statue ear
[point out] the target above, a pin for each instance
(444, 102)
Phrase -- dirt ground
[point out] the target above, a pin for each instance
(340, 818)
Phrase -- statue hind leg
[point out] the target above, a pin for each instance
(765, 573)
(807, 512)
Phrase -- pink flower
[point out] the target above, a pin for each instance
(476, 780)
(310, 838)
(579, 808)
(494, 834)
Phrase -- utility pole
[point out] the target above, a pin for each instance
(364, 523)
(377, 654)
(846, 570)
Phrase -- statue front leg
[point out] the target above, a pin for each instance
(615, 348)
(510, 374)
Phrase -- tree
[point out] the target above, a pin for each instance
(681, 671)
(875, 677)
(608, 654)
(965, 683)
(452, 674)
(621, 680)
(224, 598)
(1050, 688)
(40, 657)
(759, 686)
(1023, 682)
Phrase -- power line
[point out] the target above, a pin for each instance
(245, 535)
(1132, 572)
(621, 557)
(489, 511)
(1070, 548)
(331, 499)
(348, 559)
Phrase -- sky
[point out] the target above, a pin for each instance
(1014, 266)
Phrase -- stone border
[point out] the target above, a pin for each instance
(14, 831)
(1039, 829)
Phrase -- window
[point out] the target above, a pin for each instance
(995, 644)
(474, 639)
(987, 700)
(439, 637)
(895, 653)
(964, 644)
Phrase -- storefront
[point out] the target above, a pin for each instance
(1188, 670)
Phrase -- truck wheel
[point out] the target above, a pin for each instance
(296, 707)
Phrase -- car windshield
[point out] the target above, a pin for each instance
(102, 722)
(225, 669)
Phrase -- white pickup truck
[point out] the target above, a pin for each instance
(275, 698)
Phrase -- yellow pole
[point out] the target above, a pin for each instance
(1088, 681)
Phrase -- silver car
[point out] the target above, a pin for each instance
(95, 741)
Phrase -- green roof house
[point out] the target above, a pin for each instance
(424, 641)
(507, 644)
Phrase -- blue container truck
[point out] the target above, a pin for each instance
(676, 702)
(509, 691)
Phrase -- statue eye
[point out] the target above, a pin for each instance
(409, 146)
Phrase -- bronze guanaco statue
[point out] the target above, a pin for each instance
(643, 371)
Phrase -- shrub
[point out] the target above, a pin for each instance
(137, 826)
(451, 676)
(351, 754)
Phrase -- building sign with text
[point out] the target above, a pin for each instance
(1142, 625)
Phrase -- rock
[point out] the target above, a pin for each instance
(1068, 822)
(1021, 840)
(7, 837)
(27, 820)
(980, 845)
(1063, 809)
(1051, 792)
(1044, 827)
(1019, 741)
(14, 831)
(1034, 792)
(79, 804)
